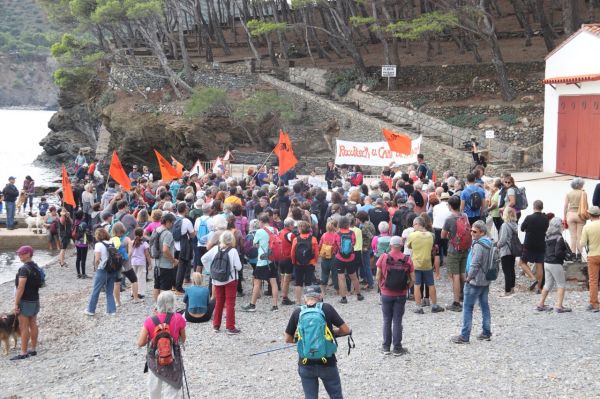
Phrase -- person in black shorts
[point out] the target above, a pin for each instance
(534, 245)
(345, 263)
(164, 272)
(305, 254)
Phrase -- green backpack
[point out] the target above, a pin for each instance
(314, 339)
(383, 245)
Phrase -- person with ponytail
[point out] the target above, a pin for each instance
(139, 256)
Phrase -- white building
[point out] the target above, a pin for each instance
(572, 105)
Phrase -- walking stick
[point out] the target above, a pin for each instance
(185, 378)
(264, 163)
(274, 350)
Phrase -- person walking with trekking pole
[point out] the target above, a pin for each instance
(314, 327)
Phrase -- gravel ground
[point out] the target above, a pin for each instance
(531, 355)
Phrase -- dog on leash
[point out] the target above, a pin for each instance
(34, 222)
(21, 201)
(9, 327)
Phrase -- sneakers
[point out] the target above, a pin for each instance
(484, 337)
(459, 339)
(399, 351)
(233, 331)
(436, 309)
(249, 308)
(562, 309)
(419, 310)
(360, 297)
(591, 308)
(425, 302)
(287, 301)
(344, 300)
(455, 307)
(216, 329)
(87, 312)
(274, 308)
(385, 350)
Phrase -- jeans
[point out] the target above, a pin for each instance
(365, 268)
(393, 310)
(309, 375)
(473, 294)
(225, 297)
(81, 258)
(106, 280)
(10, 213)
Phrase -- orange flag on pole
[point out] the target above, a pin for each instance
(398, 142)
(167, 171)
(178, 166)
(117, 172)
(283, 150)
(68, 197)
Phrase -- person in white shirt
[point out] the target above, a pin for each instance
(441, 212)
(183, 249)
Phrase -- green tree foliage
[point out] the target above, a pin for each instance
(262, 104)
(206, 100)
(258, 27)
(416, 28)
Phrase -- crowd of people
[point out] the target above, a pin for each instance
(196, 237)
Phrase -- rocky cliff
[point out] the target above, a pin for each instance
(27, 82)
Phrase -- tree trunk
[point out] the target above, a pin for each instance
(346, 34)
(523, 20)
(283, 44)
(569, 16)
(250, 43)
(187, 64)
(547, 31)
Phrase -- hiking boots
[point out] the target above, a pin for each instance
(455, 307)
(360, 297)
(343, 300)
(249, 308)
(459, 339)
(385, 350)
(399, 351)
(484, 337)
(419, 310)
(233, 331)
(436, 309)
(287, 301)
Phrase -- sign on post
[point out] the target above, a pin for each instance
(489, 134)
(388, 71)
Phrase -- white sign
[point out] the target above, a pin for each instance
(388, 71)
(489, 134)
(374, 154)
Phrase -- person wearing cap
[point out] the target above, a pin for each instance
(590, 238)
(393, 302)
(27, 301)
(311, 371)
(10, 194)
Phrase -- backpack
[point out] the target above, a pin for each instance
(176, 229)
(250, 250)
(76, 232)
(37, 275)
(491, 273)
(275, 250)
(53, 227)
(220, 268)
(115, 261)
(203, 232)
(123, 249)
(429, 173)
(162, 343)
(326, 251)
(418, 198)
(475, 200)
(346, 247)
(521, 202)
(383, 245)
(397, 276)
(304, 251)
(155, 249)
(314, 339)
(398, 220)
(462, 239)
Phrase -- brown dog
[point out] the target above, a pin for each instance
(9, 327)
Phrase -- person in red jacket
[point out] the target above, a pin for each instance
(286, 266)
(305, 254)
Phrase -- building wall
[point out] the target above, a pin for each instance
(580, 56)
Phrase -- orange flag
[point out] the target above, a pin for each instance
(178, 166)
(398, 142)
(433, 177)
(167, 171)
(283, 150)
(117, 172)
(68, 197)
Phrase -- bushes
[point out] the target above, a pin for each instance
(509, 119)
(343, 80)
(466, 120)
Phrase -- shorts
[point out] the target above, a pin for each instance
(52, 237)
(164, 279)
(424, 276)
(304, 275)
(286, 266)
(532, 256)
(456, 262)
(265, 273)
(64, 243)
(344, 267)
(29, 308)
(555, 276)
(130, 274)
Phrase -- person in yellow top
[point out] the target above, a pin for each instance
(358, 245)
(421, 242)
(233, 198)
(590, 239)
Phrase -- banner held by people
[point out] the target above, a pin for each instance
(167, 171)
(117, 172)
(374, 153)
(283, 150)
(68, 197)
(398, 142)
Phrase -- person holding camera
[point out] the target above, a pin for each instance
(478, 159)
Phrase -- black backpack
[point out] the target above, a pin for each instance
(176, 229)
(418, 198)
(398, 220)
(220, 268)
(115, 260)
(304, 250)
(475, 200)
(397, 277)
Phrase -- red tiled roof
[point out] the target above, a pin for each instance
(594, 29)
(572, 79)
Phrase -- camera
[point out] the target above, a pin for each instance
(468, 145)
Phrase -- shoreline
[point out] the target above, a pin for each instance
(28, 108)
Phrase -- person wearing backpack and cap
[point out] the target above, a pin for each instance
(163, 333)
(317, 323)
(472, 200)
(28, 282)
(395, 275)
(305, 254)
(344, 259)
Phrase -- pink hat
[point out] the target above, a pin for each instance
(25, 249)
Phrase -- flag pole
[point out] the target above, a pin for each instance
(264, 163)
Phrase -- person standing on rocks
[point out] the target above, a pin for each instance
(29, 188)
(10, 194)
(325, 368)
(27, 301)
(590, 238)
(477, 287)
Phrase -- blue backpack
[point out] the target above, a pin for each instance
(346, 247)
(314, 339)
(203, 231)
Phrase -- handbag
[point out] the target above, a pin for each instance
(583, 207)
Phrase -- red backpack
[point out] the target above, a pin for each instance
(276, 252)
(462, 239)
(162, 343)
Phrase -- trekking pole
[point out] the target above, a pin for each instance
(264, 163)
(274, 350)
(185, 377)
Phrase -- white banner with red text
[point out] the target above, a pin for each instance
(373, 154)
